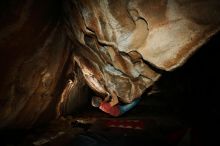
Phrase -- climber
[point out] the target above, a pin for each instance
(114, 110)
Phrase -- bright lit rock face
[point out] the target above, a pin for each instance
(52, 50)
(120, 43)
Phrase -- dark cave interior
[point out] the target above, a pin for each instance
(183, 109)
(186, 100)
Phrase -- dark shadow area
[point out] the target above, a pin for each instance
(193, 89)
(187, 100)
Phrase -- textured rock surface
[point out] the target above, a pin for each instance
(34, 50)
(119, 48)
(121, 44)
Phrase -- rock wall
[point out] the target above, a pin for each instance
(51, 51)
(34, 50)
